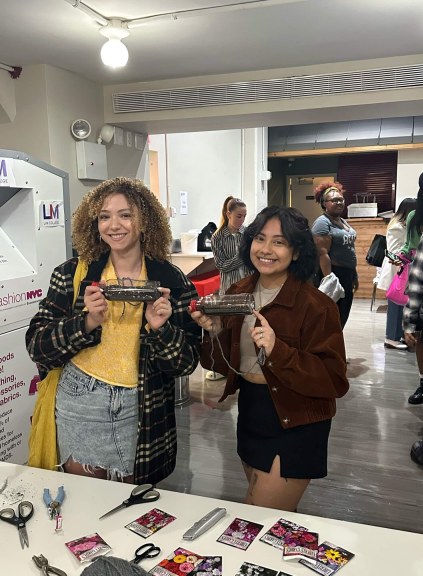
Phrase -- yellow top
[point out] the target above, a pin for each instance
(115, 359)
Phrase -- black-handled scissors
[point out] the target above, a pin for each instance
(139, 495)
(145, 552)
(25, 512)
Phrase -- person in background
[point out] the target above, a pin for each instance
(395, 239)
(335, 241)
(115, 414)
(414, 228)
(413, 326)
(225, 244)
(287, 395)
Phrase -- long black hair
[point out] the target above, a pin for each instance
(296, 230)
(403, 210)
(416, 222)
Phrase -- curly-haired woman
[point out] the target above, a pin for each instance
(335, 241)
(115, 399)
(287, 359)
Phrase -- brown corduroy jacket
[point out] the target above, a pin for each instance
(306, 370)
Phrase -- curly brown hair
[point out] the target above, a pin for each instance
(319, 191)
(150, 217)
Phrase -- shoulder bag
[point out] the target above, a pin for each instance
(42, 437)
(376, 252)
(396, 291)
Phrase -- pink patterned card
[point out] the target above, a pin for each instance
(151, 522)
(240, 533)
(276, 535)
(89, 547)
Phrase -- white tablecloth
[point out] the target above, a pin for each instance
(378, 551)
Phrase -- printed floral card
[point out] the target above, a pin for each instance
(151, 522)
(210, 566)
(179, 563)
(248, 569)
(330, 559)
(276, 535)
(300, 544)
(89, 547)
(240, 533)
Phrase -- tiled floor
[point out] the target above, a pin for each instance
(371, 476)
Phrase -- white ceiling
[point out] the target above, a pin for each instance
(283, 34)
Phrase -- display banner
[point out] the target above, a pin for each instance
(18, 387)
(7, 177)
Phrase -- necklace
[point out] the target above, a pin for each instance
(266, 295)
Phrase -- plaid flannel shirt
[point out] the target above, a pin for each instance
(57, 332)
(411, 314)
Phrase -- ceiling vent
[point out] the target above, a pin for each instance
(266, 90)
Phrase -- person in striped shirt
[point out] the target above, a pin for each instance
(225, 244)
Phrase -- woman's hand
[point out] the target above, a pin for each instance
(159, 312)
(263, 336)
(96, 304)
(208, 323)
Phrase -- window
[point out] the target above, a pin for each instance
(365, 176)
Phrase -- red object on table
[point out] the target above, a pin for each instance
(206, 283)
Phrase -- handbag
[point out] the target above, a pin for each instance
(376, 252)
(396, 290)
(42, 437)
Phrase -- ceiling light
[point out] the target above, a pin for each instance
(114, 53)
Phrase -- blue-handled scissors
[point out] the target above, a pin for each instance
(25, 512)
(145, 552)
(139, 495)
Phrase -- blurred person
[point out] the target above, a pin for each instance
(335, 241)
(287, 360)
(414, 227)
(115, 414)
(395, 239)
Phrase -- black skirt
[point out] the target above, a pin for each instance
(302, 449)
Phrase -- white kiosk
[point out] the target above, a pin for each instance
(34, 238)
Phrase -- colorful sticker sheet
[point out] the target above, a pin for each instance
(240, 533)
(330, 559)
(276, 535)
(151, 522)
(179, 563)
(248, 569)
(89, 547)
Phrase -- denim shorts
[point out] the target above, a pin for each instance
(96, 423)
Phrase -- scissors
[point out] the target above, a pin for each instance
(25, 512)
(139, 495)
(145, 551)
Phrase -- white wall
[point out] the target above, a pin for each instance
(410, 166)
(207, 165)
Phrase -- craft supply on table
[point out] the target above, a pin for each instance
(146, 552)
(151, 522)
(204, 524)
(139, 495)
(43, 564)
(25, 512)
